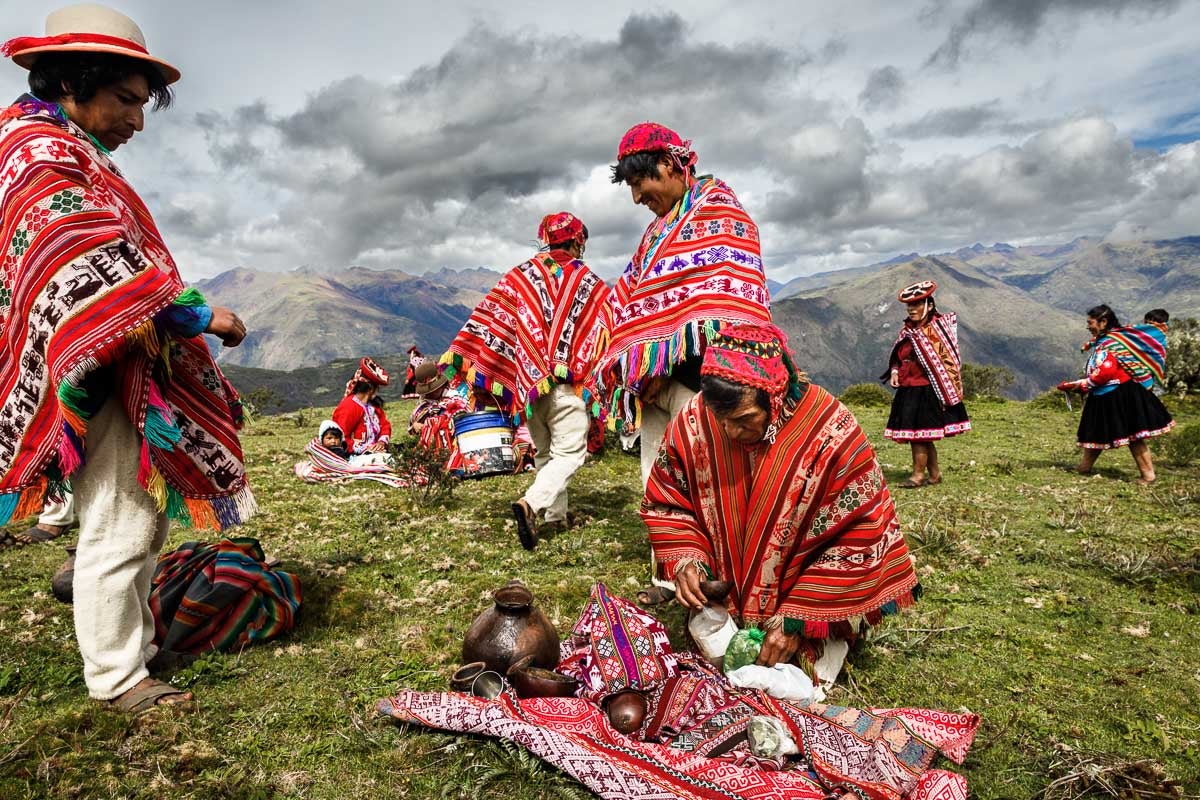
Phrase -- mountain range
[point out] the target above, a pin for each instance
(1019, 307)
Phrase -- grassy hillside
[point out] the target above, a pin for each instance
(843, 335)
(1063, 609)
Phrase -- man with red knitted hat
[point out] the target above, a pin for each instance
(697, 268)
(766, 480)
(111, 392)
(532, 343)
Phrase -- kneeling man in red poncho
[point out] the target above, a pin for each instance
(766, 480)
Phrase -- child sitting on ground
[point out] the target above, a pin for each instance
(332, 439)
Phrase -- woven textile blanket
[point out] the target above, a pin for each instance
(84, 274)
(325, 466)
(877, 755)
(696, 268)
(936, 346)
(218, 596)
(1141, 350)
(803, 525)
(546, 322)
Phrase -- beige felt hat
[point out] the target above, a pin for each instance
(86, 27)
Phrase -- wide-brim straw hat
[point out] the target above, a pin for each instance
(88, 28)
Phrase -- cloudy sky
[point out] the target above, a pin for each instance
(428, 135)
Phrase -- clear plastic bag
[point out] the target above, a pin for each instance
(712, 629)
(769, 739)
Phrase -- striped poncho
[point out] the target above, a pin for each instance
(803, 526)
(935, 344)
(1141, 350)
(697, 268)
(85, 282)
(545, 322)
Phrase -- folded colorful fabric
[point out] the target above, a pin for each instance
(220, 595)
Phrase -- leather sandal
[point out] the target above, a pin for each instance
(62, 585)
(146, 696)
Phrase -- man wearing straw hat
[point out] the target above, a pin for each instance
(110, 392)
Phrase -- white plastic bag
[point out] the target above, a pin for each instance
(782, 681)
(768, 737)
(712, 628)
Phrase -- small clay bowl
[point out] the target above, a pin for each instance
(531, 681)
(461, 680)
(716, 591)
(626, 710)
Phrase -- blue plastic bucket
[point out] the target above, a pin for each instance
(485, 441)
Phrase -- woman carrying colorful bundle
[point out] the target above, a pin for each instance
(926, 371)
(1120, 408)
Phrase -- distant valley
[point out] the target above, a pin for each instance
(1019, 307)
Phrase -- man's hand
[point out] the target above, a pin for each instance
(778, 647)
(687, 587)
(652, 388)
(227, 326)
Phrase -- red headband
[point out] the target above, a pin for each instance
(21, 43)
(650, 137)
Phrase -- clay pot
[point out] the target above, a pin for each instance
(512, 628)
(531, 681)
(716, 591)
(626, 710)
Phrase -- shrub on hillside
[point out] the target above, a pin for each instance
(985, 381)
(1181, 448)
(867, 395)
(1054, 400)
(1183, 357)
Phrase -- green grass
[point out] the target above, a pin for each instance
(1060, 608)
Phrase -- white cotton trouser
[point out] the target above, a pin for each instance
(120, 534)
(59, 514)
(655, 418)
(558, 424)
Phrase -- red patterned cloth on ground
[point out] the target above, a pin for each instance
(697, 268)
(880, 755)
(84, 273)
(803, 523)
(936, 348)
(546, 322)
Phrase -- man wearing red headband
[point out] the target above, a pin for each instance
(697, 268)
(767, 481)
(109, 382)
(533, 343)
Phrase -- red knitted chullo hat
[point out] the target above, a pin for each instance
(752, 355)
(562, 227)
